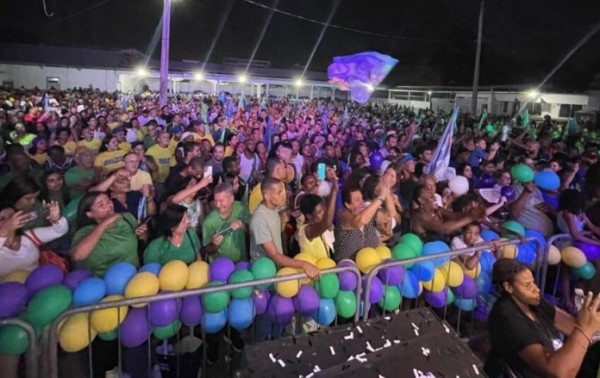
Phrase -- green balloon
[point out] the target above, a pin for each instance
(514, 226)
(70, 211)
(39, 329)
(413, 241)
(168, 331)
(391, 298)
(586, 271)
(217, 301)
(109, 336)
(47, 305)
(264, 267)
(522, 173)
(13, 340)
(345, 303)
(403, 252)
(328, 285)
(239, 276)
(449, 296)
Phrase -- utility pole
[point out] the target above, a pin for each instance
(477, 61)
(164, 52)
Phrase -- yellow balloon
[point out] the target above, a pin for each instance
(289, 288)
(142, 285)
(108, 320)
(437, 284)
(453, 273)
(75, 333)
(366, 259)
(473, 273)
(573, 257)
(173, 276)
(384, 252)
(553, 255)
(325, 263)
(198, 275)
(306, 256)
(17, 276)
(508, 251)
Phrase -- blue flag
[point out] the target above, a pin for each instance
(267, 136)
(440, 163)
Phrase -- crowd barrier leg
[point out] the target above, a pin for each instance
(32, 354)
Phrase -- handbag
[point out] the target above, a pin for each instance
(48, 256)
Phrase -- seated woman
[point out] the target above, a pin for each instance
(175, 240)
(105, 237)
(526, 332)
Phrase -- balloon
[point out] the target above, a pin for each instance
(163, 313)
(307, 300)
(526, 255)
(541, 240)
(70, 210)
(391, 298)
(109, 336)
(305, 256)
(437, 283)
(587, 271)
(19, 275)
(328, 285)
(467, 290)
(489, 235)
(288, 288)
(573, 257)
(221, 268)
(215, 321)
(411, 286)
(487, 261)
(263, 267)
(47, 305)
(484, 283)
(392, 275)
(404, 252)
(366, 259)
(424, 270)
(134, 330)
(384, 252)
(453, 273)
(215, 301)
(508, 251)
(191, 311)
(325, 315)
(465, 304)
(522, 173)
(376, 292)
(261, 300)
(514, 226)
(13, 298)
(74, 278)
(90, 291)
(434, 248)
(42, 277)
(241, 265)
(174, 276)
(108, 320)
(153, 268)
(345, 303)
(508, 192)
(591, 251)
(240, 276)
(142, 285)
(459, 185)
(547, 180)
(75, 333)
(554, 255)
(436, 300)
(412, 241)
(168, 331)
(348, 280)
(487, 181)
(449, 296)
(118, 276)
(241, 313)
(13, 340)
(325, 263)
(281, 309)
(376, 158)
(198, 275)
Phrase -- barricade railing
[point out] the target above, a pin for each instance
(31, 356)
(51, 341)
(553, 239)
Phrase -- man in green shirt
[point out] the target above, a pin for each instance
(224, 229)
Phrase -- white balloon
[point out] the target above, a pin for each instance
(459, 185)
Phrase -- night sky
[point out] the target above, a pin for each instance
(434, 40)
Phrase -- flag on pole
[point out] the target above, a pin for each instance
(263, 104)
(242, 103)
(440, 163)
(482, 120)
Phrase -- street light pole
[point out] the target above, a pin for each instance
(477, 61)
(164, 52)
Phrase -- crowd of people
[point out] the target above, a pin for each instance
(101, 178)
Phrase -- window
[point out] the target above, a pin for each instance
(565, 110)
(52, 82)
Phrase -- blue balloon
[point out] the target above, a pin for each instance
(489, 235)
(153, 268)
(487, 261)
(435, 247)
(326, 313)
(525, 254)
(376, 159)
(465, 304)
(537, 236)
(547, 180)
(241, 313)
(89, 292)
(117, 277)
(410, 285)
(424, 271)
(213, 322)
(484, 283)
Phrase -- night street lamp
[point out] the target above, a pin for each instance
(164, 52)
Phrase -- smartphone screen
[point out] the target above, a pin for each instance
(321, 171)
(208, 171)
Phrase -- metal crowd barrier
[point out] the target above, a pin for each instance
(51, 341)
(31, 357)
(549, 243)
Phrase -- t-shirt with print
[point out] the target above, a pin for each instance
(164, 159)
(110, 161)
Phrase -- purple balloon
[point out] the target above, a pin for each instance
(436, 300)
(221, 268)
(13, 298)
(261, 300)
(42, 277)
(73, 279)
(162, 313)
(467, 290)
(242, 265)
(376, 159)
(134, 330)
(376, 289)
(281, 310)
(508, 192)
(591, 251)
(307, 300)
(191, 311)
(392, 275)
(348, 280)
(487, 181)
